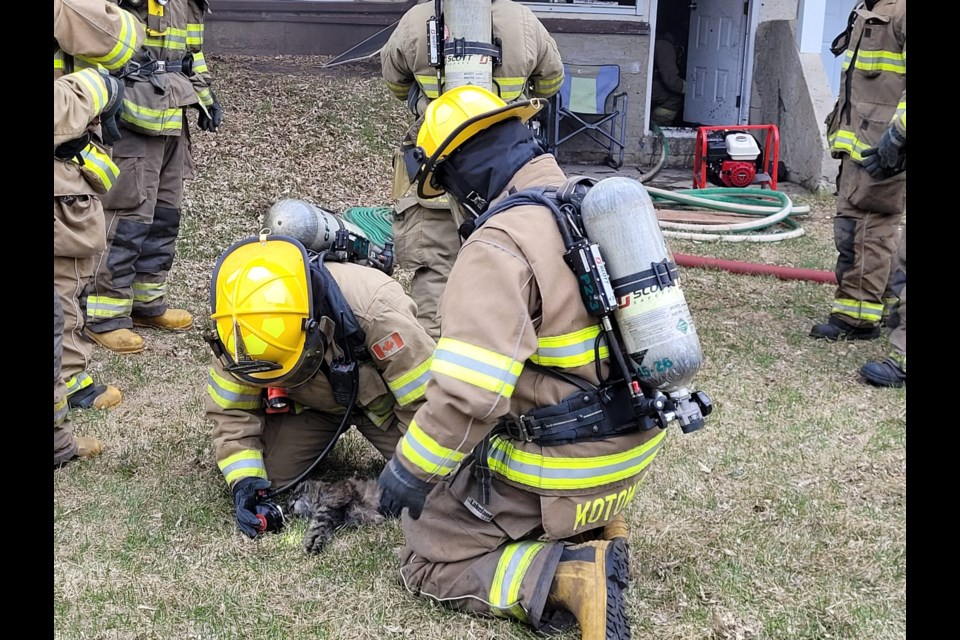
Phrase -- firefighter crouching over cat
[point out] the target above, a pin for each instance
(526, 524)
(321, 337)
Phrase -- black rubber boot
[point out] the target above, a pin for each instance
(884, 374)
(834, 329)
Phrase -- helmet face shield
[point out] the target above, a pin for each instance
(261, 302)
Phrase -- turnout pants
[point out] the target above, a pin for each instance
(865, 233)
(143, 221)
(70, 276)
(64, 444)
(499, 567)
(291, 442)
(898, 337)
(426, 244)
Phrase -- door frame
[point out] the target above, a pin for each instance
(746, 87)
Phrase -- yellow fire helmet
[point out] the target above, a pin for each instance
(453, 119)
(261, 312)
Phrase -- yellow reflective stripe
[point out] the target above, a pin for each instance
(100, 164)
(173, 39)
(900, 359)
(411, 385)
(78, 382)
(124, 49)
(847, 141)
(104, 307)
(868, 311)
(380, 409)
(879, 60)
(510, 88)
(195, 34)
(199, 63)
(474, 365)
(58, 60)
(399, 90)
(569, 350)
(152, 119)
(543, 85)
(95, 85)
(901, 113)
(149, 291)
(511, 569)
(429, 86)
(543, 472)
(230, 394)
(426, 453)
(206, 96)
(246, 464)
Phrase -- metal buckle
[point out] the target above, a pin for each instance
(161, 66)
(523, 429)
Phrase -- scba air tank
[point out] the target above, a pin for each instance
(653, 317)
(314, 227)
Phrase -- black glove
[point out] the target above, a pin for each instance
(246, 495)
(889, 148)
(401, 489)
(873, 163)
(211, 117)
(110, 116)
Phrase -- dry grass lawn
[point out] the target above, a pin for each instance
(783, 519)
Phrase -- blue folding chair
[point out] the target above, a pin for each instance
(587, 104)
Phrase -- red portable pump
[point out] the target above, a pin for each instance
(730, 156)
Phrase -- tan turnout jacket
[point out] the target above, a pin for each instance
(392, 384)
(511, 297)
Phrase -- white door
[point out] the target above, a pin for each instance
(834, 22)
(715, 61)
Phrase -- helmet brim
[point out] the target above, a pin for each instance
(524, 110)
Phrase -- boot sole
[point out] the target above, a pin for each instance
(618, 573)
(157, 326)
(868, 336)
(108, 348)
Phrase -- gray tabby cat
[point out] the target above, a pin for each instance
(332, 505)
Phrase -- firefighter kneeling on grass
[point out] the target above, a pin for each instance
(339, 340)
(499, 523)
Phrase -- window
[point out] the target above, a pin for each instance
(616, 7)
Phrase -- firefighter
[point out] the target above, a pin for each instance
(888, 158)
(425, 231)
(168, 75)
(88, 35)
(501, 520)
(869, 209)
(339, 341)
(669, 87)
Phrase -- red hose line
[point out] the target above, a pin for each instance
(754, 269)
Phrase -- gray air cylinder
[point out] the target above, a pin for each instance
(314, 227)
(654, 321)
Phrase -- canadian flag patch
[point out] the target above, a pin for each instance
(387, 347)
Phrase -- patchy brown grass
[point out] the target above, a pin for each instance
(783, 519)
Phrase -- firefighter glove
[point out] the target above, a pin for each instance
(110, 116)
(246, 494)
(400, 489)
(889, 148)
(211, 117)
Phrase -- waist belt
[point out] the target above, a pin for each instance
(145, 68)
(595, 414)
(584, 415)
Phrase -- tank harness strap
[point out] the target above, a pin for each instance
(460, 48)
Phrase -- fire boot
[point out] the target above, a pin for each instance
(884, 374)
(590, 582)
(616, 528)
(171, 320)
(88, 447)
(835, 329)
(118, 340)
(97, 396)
